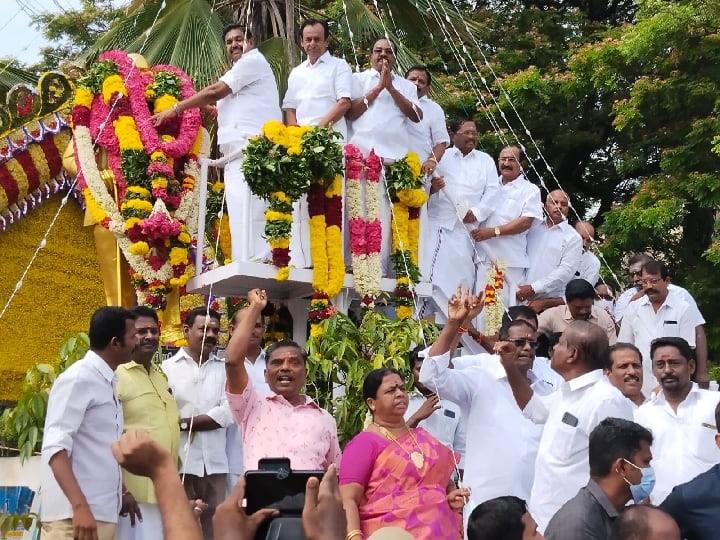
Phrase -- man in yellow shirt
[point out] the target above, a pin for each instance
(148, 405)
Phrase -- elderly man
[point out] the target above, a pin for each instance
(246, 97)
(197, 379)
(318, 94)
(682, 418)
(620, 472)
(579, 306)
(285, 423)
(383, 105)
(637, 292)
(80, 480)
(641, 522)
(569, 415)
(148, 405)
(589, 267)
(502, 237)
(555, 250)
(625, 371)
(658, 313)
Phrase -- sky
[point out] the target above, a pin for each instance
(19, 37)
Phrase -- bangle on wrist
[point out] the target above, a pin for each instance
(177, 110)
(432, 158)
(478, 337)
(353, 534)
(462, 330)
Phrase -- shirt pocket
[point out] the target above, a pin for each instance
(565, 441)
(702, 444)
(506, 208)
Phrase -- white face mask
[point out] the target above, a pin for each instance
(607, 305)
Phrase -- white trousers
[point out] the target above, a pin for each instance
(150, 528)
(448, 259)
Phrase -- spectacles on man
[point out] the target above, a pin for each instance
(520, 343)
(650, 281)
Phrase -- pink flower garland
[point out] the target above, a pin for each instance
(364, 221)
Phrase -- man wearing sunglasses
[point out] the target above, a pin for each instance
(501, 444)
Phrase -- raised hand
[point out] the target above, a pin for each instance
(257, 297)
(476, 305)
(458, 305)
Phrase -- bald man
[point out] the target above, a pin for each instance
(554, 249)
(589, 268)
(641, 522)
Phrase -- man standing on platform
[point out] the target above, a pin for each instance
(383, 105)
(80, 479)
(285, 423)
(247, 97)
(589, 268)
(148, 405)
(197, 379)
(318, 94)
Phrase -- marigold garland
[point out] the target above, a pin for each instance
(494, 308)
(404, 181)
(155, 211)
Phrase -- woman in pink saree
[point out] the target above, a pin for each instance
(394, 476)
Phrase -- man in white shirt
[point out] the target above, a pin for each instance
(579, 306)
(429, 137)
(440, 417)
(461, 195)
(80, 480)
(637, 291)
(501, 443)
(569, 415)
(502, 237)
(625, 371)
(681, 418)
(658, 313)
(589, 267)
(255, 366)
(383, 105)
(197, 379)
(247, 97)
(554, 249)
(318, 94)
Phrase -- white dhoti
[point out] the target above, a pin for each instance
(300, 235)
(150, 528)
(448, 259)
(246, 213)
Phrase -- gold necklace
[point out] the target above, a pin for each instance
(416, 456)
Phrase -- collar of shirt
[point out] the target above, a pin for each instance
(513, 184)
(659, 397)
(182, 354)
(668, 302)
(567, 316)
(585, 380)
(324, 58)
(375, 73)
(601, 497)
(101, 365)
(309, 402)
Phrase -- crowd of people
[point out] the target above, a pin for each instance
(581, 404)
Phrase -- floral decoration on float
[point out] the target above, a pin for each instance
(146, 196)
(282, 165)
(494, 308)
(405, 183)
(364, 221)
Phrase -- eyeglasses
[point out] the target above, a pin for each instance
(650, 281)
(520, 343)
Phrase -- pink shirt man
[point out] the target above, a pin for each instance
(273, 427)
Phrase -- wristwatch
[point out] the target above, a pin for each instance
(184, 424)
(497, 231)
(366, 102)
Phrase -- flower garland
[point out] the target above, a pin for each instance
(364, 221)
(494, 308)
(152, 224)
(404, 182)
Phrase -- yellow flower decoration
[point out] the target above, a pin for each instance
(164, 103)
(111, 86)
(127, 133)
(139, 248)
(413, 161)
(83, 97)
(271, 215)
(283, 273)
(178, 256)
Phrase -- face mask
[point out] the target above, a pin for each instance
(607, 305)
(641, 491)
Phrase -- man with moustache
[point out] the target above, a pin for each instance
(502, 237)
(318, 94)
(80, 480)
(148, 405)
(554, 249)
(637, 291)
(625, 371)
(589, 267)
(501, 443)
(658, 313)
(197, 379)
(383, 105)
(681, 417)
(247, 97)
(284, 423)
